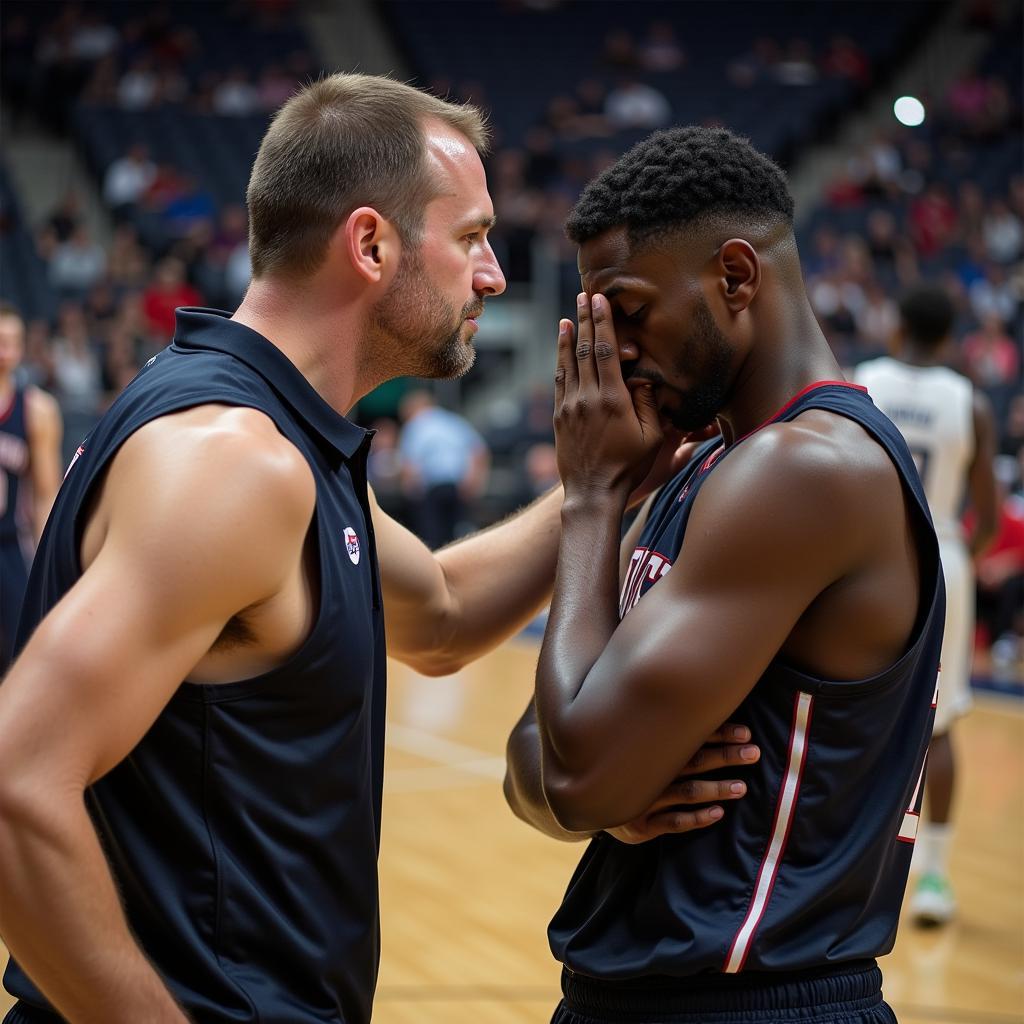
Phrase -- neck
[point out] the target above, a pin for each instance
(788, 355)
(915, 355)
(326, 341)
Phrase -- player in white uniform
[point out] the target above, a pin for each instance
(950, 430)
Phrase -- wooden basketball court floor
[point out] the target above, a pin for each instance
(467, 890)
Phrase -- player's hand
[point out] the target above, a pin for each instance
(606, 435)
(673, 812)
(677, 449)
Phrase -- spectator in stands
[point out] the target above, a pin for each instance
(1002, 232)
(127, 263)
(994, 295)
(76, 371)
(620, 51)
(797, 65)
(77, 265)
(236, 96)
(127, 180)
(191, 206)
(1000, 575)
(137, 88)
(932, 220)
(660, 51)
(991, 359)
(877, 319)
(634, 105)
(274, 87)
(756, 65)
(444, 467)
(166, 293)
(845, 59)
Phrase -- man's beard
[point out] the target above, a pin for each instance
(417, 331)
(706, 349)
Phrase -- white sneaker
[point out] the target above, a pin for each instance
(932, 903)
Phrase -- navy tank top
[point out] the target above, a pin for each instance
(243, 829)
(14, 456)
(809, 869)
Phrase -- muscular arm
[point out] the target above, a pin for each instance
(981, 481)
(100, 668)
(445, 608)
(45, 431)
(621, 705)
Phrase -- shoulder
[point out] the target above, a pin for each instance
(40, 403)
(225, 456)
(819, 470)
(41, 410)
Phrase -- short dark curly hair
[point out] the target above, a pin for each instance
(927, 314)
(679, 177)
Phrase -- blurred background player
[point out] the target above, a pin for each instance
(444, 467)
(950, 430)
(30, 435)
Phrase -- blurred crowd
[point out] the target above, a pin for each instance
(913, 204)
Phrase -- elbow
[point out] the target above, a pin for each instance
(581, 807)
(435, 664)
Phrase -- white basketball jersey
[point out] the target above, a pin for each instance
(933, 407)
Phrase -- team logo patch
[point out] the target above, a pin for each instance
(352, 544)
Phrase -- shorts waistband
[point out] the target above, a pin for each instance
(857, 984)
(23, 1013)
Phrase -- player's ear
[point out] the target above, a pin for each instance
(739, 272)
(370, 244)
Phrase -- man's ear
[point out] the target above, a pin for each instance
(739, 272)
(369, 244)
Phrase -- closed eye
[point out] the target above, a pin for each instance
(636, 316)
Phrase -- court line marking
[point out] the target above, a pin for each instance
(456, 763)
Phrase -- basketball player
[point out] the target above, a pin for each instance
(30, 437)
(951, 432)
(789, 575)
(191, 739)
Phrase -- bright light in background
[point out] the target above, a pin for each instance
(909, 110)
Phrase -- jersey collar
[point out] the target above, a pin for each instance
(214, 329)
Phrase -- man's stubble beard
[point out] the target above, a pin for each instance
(415, 331)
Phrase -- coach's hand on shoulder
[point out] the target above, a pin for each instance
(673, 812)
(607, 437)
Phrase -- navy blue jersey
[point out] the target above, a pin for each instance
(14, 456)
(809, 869)
(243, 829)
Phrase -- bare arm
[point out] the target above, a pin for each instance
(729, 746)
(45, 432)
(445, 608)
(981, 481)
(150, 603)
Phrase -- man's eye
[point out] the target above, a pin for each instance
(635, 316)
(472, 237)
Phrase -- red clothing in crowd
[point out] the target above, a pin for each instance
(159, 305)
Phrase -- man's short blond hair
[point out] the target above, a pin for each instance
(345, 141)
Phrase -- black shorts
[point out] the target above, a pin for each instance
(851, 994)
(22, 1013)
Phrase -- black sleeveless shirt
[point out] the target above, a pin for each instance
(243, 829)
(809, 869)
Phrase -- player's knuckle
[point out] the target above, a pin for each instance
(583, 350)
(604, 350)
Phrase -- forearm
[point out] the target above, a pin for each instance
(524, 789)
(583, 617)
(61, 919)
(500, 578)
